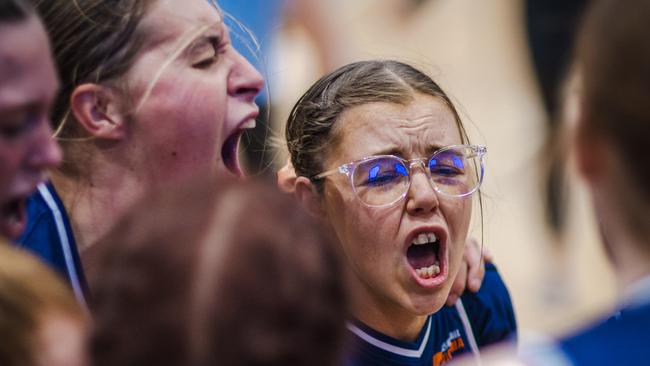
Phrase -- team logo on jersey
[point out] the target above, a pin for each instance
(453, 343)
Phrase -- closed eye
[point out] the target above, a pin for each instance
(445, 170)
(384, 179)
(207, 51)
(13, 128)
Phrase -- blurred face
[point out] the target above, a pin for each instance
(388, 247)
(28, 85)
(193, 93)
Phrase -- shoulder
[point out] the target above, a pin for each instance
(622, 338)
(42, 235)
(490, 310)
(40, 223)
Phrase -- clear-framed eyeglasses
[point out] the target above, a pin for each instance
(384, 180)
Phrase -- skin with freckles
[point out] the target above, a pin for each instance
(28, 85)
(374, 240)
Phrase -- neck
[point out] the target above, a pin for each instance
(631, 266)
(95, 203)
(388, 318)
(628, 252)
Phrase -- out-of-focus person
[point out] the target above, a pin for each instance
(610, 141)
(41, 323)
(608, 134)
(242, 277)
(28, 86)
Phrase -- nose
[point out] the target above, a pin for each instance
(45, 152)
(244, 81)
(422, 197)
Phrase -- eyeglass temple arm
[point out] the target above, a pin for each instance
(342, 169)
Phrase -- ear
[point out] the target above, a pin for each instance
(308, 197)
(590, 149)
(287, 178)
(95, 107)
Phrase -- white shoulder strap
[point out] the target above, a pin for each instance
(468, 330)
(65, 243)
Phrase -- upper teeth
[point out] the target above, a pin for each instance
(249, 124)
(424, 238)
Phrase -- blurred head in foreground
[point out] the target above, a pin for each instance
(609, 135)
(612, 132)
(40, 321)
(200, 278)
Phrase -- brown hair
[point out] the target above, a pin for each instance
(14, 10)
(243, 279)
(93, 41)
(614, 58)
(29, 291)
(310, 132)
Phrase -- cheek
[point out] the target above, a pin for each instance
(9, 162)
(187, 102)
(366, 234)
(183, 120)
(347, 220)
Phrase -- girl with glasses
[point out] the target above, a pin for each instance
(382, 157)
(152, 92)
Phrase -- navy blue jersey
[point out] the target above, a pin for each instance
(622, 339)
(478, 319)
(49, 236)
(618, 339)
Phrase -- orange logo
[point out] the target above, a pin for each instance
(445, 355)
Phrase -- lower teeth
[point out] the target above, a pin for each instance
(428, 272)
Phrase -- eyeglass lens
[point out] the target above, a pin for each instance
(383, 180)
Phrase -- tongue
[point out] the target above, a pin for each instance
(420, 256)
(229, 154)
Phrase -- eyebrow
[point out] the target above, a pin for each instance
(399, 152)
(30, 103)
(389, 151)
(434, 148)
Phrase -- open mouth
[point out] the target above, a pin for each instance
(229, 152)
(13, 217)
(425, 255)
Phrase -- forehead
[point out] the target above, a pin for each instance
(411, 130)
(168, 20)
(27, 73)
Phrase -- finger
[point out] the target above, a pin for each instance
(451, 300)
(475, 268)
(488, 257)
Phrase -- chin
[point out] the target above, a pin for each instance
(426, 305)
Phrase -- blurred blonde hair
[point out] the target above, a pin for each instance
(29, 291)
